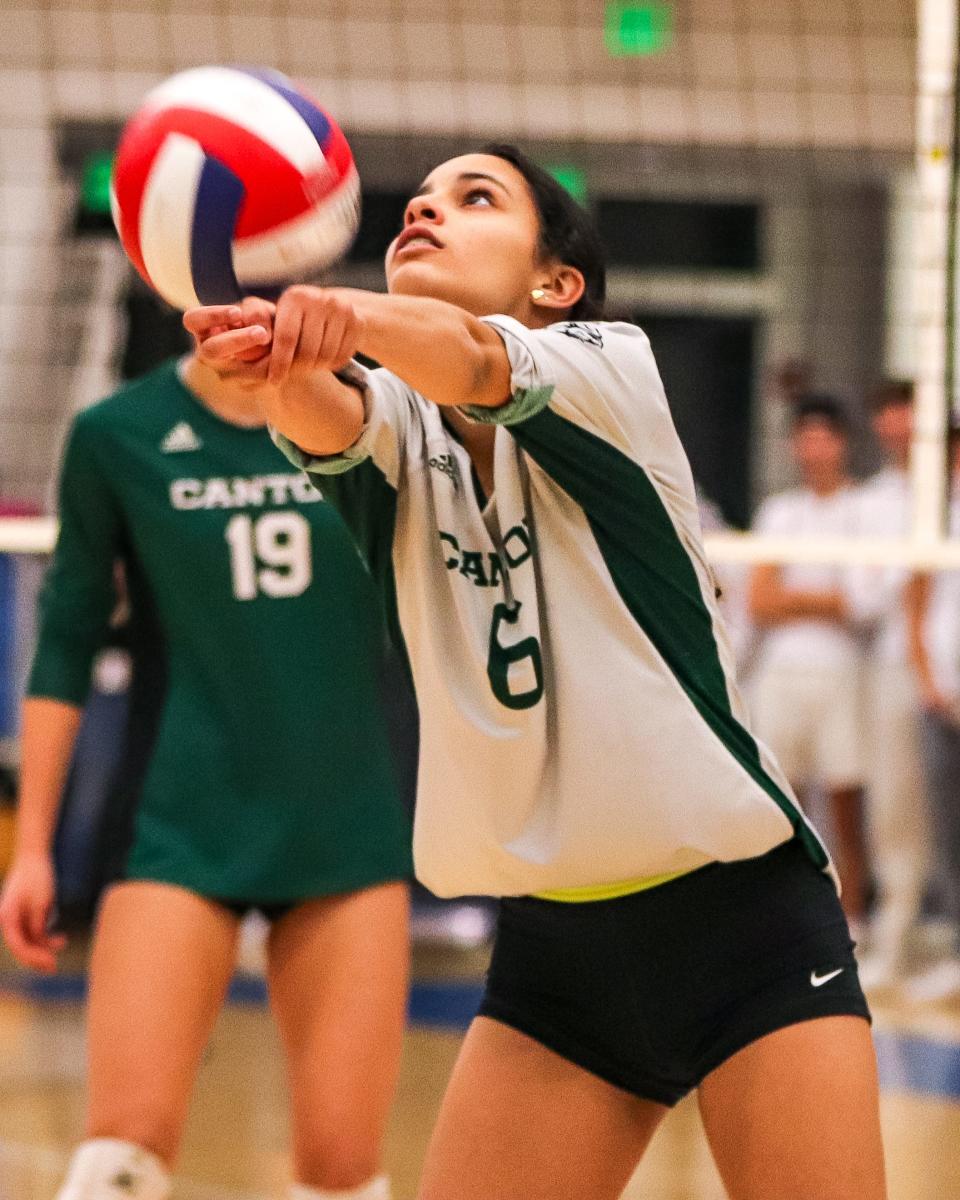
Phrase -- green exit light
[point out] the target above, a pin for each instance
(572, 178)
(95, 183)
(638, 28)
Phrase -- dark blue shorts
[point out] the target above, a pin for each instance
(654, 990)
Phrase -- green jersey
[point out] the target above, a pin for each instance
(270, 778)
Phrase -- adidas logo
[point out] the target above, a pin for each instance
(181, 437)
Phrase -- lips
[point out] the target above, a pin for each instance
(414, 232)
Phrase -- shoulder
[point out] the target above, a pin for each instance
(781, 506)
(146, 400)
(596, 337)
(888, 483)
(157, 389)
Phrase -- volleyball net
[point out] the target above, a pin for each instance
(775, 182)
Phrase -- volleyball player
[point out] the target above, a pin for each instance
(269, 786)
(669, 920)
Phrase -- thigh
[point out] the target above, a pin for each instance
(519, 1122)
(779, 710)
(338, 975)
(838, 730)
(796, 1115)
(162, 959)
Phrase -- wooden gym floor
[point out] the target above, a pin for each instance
(235, 1142)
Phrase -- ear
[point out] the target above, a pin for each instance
(562, 287)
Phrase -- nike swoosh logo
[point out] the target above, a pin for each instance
(819, 980)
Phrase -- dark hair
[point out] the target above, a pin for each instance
(891, 392)
(819, 406)
(567, 233)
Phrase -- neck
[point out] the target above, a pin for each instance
(228, 400)
(826, 485)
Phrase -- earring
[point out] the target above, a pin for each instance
(537, 294)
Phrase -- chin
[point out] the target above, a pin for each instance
(415, 279)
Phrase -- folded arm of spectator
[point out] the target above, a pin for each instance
(773, 603)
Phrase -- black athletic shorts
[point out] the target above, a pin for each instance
(654, 990)
(271, 912)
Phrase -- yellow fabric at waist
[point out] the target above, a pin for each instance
(611, 891)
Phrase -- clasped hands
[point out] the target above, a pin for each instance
(257, 343)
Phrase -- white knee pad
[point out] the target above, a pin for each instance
(110, 1169)
(377, 1188)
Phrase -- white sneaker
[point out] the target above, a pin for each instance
(940, 982)
(455, 924)
(252, 944)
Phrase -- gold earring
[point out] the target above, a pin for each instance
(538, 294)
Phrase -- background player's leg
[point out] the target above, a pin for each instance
(850, 854)
(896, 823)
(162, 960)
(795, 1115)
(338, 971)
(519, 1122)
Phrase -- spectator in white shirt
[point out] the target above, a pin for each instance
(806, 693)
(896, 810)
(933, 628)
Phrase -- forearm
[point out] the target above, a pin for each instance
(772, 603)
(822, 606)
(49, 732)
(440, 350)
(319, 413)
(916, 599)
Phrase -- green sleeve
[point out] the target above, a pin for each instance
(78, 595)
(368, 506)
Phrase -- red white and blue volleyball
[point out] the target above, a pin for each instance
(231, 182)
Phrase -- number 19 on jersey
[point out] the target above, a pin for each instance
(269, 555)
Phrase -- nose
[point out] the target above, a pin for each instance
(422, 208)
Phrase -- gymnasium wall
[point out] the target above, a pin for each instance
(777, 83)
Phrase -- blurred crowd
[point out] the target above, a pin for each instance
(852, 677)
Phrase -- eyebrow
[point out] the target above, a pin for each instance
(463, 177)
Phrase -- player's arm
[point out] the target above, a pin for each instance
(26, 904)
(77, 599)
(916, 600)
(310, 405)
(441, 351)
(773, 603)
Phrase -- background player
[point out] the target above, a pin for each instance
(583, 747)
(933, 629)
(897, 818)
(806, 692)
(269, 785)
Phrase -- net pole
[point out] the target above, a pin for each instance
(934, 274)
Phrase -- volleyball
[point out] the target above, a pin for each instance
(231, 182)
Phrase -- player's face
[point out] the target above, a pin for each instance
(470, 237)
(893, 425)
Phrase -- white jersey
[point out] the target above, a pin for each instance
(579, 723)
(807, 642)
